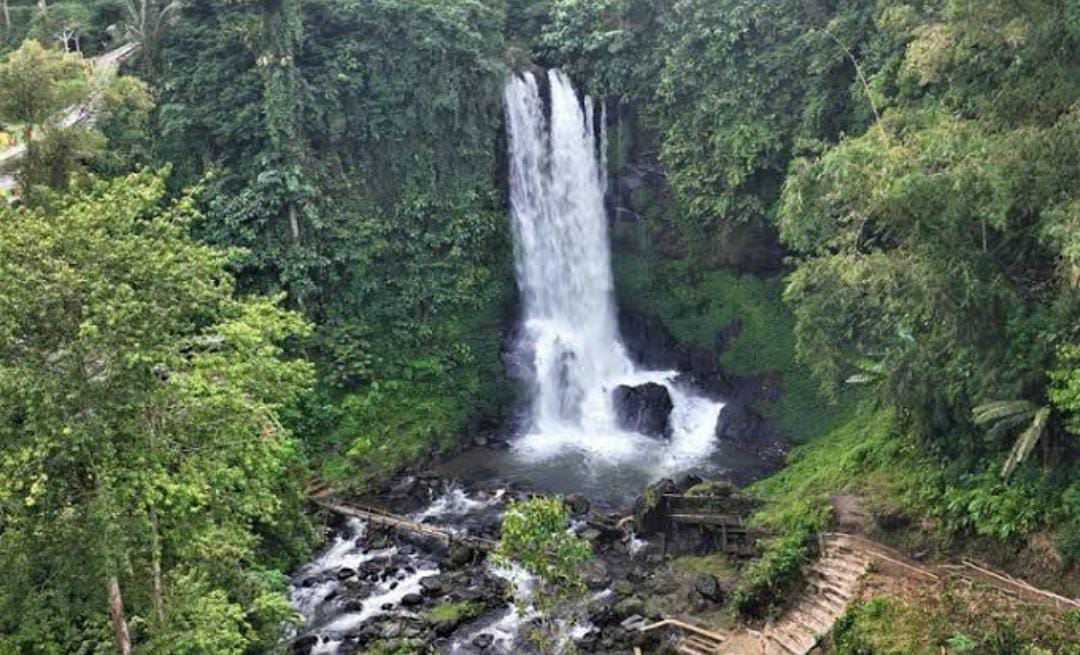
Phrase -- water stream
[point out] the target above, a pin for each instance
(576, 359)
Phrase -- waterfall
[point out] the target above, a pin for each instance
(563, 266)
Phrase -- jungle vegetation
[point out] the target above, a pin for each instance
(282, 251)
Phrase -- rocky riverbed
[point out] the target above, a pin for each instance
(377, 590)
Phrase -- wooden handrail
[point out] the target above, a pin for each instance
(682, 625)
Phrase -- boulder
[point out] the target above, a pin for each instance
(432, 586)
(483, 641)
(708, 586)
(303, 645)
(644, 409)
(345, 572)
(578, 504)
(628, 607)
(650, 512)
(412, 600)
(460, 555)
(738, 423)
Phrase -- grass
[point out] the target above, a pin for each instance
(797, 507)
(954, 621)
(859, 455)
(695, 307)
(448, 612)
(717, 564)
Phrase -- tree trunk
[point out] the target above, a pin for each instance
(294, 225)
(119, 621)
(7, 14)
(159, 587)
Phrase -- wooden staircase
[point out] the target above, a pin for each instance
(832, 583)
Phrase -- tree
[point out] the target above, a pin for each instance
(536, 536)
(146, 24)
(144, 458)
(36, 83)
(63, 22)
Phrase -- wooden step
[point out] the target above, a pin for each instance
(827, 604)
(855, 566)
(707, 645)
(785, 640)
(690, 649)
(818, 625)
(841, 575)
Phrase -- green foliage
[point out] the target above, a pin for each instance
(697, 306)
(139, 412)
(778, 572)
(36, 83)
(62, 24)
(1065, 390)
(353, 147)
(535, 535)
(950, 624)
(454, 613)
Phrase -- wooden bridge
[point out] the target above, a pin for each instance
(380, 517)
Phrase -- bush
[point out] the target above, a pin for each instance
(779, 570)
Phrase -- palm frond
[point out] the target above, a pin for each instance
(995, 411)
(1025, 443)
(1004, 427)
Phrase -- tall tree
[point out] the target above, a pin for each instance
(36, 83)
(143, 455)
(146, 23)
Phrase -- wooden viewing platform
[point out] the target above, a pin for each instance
(719, 515)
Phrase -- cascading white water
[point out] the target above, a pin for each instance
(564, 272)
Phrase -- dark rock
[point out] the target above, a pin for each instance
(432, 586)
(460, 555)
(628, 607)
(353, 606)
(708, 586)
(345, 573)
(650, 342)
(590, 534)
(650, 510)
(578, 504)
(404, 487)
(392, 630)
(483, 641)
(891, 519)
(412, 600)
(379, 541)
(738, 423)
(644, 409)
(303, 645)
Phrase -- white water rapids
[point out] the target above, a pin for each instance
(557, 186)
